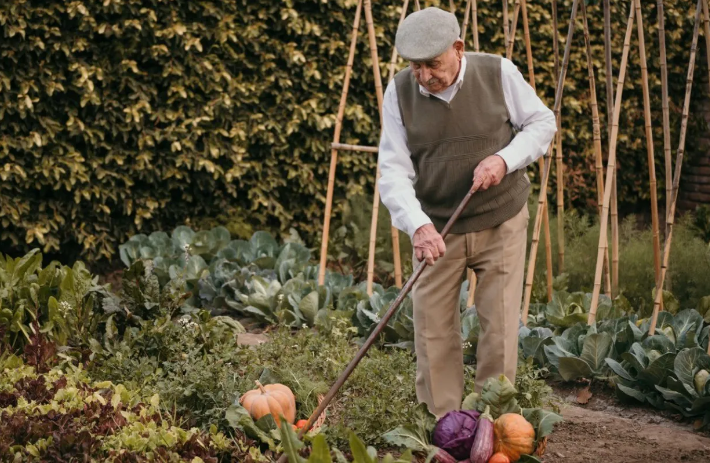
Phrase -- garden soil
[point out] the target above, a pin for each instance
(603, 430)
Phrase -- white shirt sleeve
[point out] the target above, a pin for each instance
(528, 114)
(396, 169)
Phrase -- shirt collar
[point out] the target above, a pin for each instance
(457, 84)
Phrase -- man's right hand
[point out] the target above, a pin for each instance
(428, 244)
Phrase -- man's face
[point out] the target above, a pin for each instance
(439, 73)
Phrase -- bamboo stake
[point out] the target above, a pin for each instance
(471, 275)
(541, 162)
(666, 110)
(474, 26)
(511, 38)
(346, 147)
(596, 130)
(558, 157)
(378, 90)
(546, 170)
(417, 5)
(610, 117)
(336, 139)
(395, 232)
(676, 173)
(649, 141)
(466, 15)
(471, 287)
(505, 23)
(611, 166)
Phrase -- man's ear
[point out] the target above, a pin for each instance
(459, 47)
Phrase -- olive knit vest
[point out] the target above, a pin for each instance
(448, 140)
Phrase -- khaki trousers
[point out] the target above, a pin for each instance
(497, 255)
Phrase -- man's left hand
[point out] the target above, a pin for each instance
(489, 172)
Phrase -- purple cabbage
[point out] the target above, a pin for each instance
(455, 432)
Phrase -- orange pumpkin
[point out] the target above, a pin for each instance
(499, 457)
(273, 399)
(514, 436)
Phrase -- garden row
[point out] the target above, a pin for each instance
(169, 336)
(142, 374)
(276, 284)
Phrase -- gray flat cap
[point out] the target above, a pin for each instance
(426, 34)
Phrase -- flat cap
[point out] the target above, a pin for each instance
(427, 33)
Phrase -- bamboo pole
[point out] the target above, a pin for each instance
(610, 117)
(511, 38)
(505, 23)
(558, 157)
(596, 131)
(541, 162)
(471, 287)
(474, 26)
(346, 147)
(471, 275)
(336, 139)
(649, 141)
(466, 15)
(452, 6)
(380, 97)
(417, 5)
(394, 230)
(666, 110)
(611, 166)
(676, 173)
(546, 170)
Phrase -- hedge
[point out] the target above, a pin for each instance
(128, 116)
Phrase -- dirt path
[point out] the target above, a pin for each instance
(590, 436)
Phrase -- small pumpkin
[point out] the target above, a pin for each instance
(273, 399)
(514, 436)
(499, 457)
(301, 423)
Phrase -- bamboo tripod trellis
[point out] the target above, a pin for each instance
(610, 119)
(596, 135)
(336, 146)
(520, 6)
(702, 5)
(559, 87)
(611, 165)
(659, 267)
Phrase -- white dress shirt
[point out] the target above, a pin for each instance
(528, 114)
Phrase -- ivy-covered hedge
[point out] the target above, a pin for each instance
(128, 116)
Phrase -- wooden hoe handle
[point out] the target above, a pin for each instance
(378, 329)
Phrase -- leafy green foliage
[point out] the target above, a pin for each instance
(61, 414)
(320, 453)
(187, 361)
(52, 297)
(689, 262)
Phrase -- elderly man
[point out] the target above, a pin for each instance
(454, 119)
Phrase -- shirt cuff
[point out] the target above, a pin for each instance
(512, 161)
(410, 221)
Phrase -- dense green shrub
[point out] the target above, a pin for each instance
(129, 116)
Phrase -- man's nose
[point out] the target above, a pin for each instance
(424, 74)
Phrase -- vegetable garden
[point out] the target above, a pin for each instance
(215, 342)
